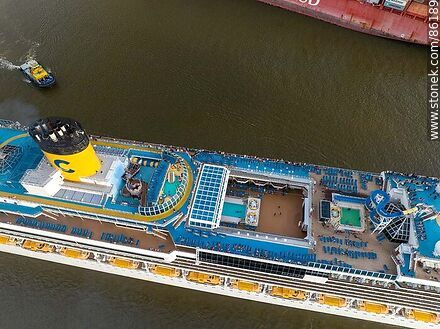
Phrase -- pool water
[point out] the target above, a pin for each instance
(235, 210)
(169, 189)
(351, 217)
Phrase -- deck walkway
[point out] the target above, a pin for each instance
(93, 230)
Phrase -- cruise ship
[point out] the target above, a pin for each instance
(338, 241)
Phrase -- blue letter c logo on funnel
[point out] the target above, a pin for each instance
(61, 163)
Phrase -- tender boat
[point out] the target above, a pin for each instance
(37, 74)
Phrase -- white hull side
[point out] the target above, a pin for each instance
(183, 283)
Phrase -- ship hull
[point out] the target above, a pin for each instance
(220, 290)
(119, 242)
(360, 17)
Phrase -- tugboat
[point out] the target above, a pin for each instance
(37, 74)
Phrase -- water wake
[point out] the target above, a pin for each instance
(32, 52)
(5, 64)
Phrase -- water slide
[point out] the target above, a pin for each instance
(377, 202)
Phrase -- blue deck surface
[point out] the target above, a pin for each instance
(421, 191)
(250, 164)
(349, 199)
(18, 209)
(426, 246)
(128, 207)
(405, 268)
(31, 156)
(145, 173)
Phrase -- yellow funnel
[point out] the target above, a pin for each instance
(67, 147)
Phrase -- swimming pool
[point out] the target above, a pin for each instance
(351, 217)
(169, 189)
(235, 210)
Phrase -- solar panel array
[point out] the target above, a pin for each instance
(324, 210)
(208, 197)
(79, 196)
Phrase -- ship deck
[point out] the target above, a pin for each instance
(13, 171)
(93, 229)
(360, 257)
(352, 249)
(284, 188)
(426, 274)
(281, 214)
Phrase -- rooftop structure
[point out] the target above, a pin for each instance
(209, 197)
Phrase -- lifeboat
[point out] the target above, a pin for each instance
(73, 253)
(373, 307)
(39, 76)
(7, 240)
(423, 316)
(165, 271)
(123, 263)
(203, 278)
(37, 246)
(246, 286)
(332, 300)
(287, 293)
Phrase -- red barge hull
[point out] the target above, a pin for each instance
(409, 25)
